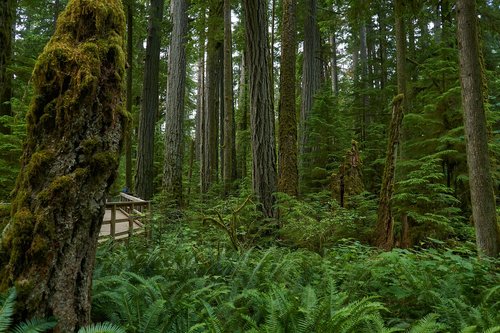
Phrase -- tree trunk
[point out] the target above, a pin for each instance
(243, 142)
(149, 105)
(229, 168)
(261, 105)
(384, 236)
(288, 181)
(211, 121)
(311, 75)
(335, 68)
(7, 11)
(69, 162)
(200, 99)
(130, 61)
(473, 99)
(174, 131)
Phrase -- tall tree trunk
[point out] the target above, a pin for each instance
(149, 105)
(473, 98)
(261, 105)
(7, 10)
(384, 229)
(385, 223)
(242, 142)
(200, 99)
(335, 66)
(212, 104)
(69, 162)
(229, 168)
(311, 75)
(288, 181)
(130, 61)
(174, 132)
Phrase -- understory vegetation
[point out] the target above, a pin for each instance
(217, 270)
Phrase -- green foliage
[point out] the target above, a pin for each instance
(430, 204)
(190, 281)
(330, 135)
(34, 325)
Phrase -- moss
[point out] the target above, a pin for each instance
(104, 161)
(38, 162)
(57, 188)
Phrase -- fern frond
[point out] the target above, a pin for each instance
(34, 326)
(102, 328)
(7, 310)
(428, 324)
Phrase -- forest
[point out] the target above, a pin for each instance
(307, 165)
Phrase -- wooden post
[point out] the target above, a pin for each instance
(131, 221)
(113, 221)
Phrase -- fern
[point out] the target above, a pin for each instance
(101, 328)
(34, 326)
(428, 324)
(7, 311)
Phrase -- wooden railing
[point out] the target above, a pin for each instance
(125, 216)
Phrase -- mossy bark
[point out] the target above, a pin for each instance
(7, 9)
(70, 157)
(348, 181)
(384, 233)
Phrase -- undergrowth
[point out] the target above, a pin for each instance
(191, 279)
(210, 270)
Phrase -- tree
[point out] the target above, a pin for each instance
(7, 9)
(385, 223)
(287, 118)
(70, 158)
(473, 99)
(210, 126)
(174, 131)
(149, 105)
(229, 133)
(311, 76)
(130, 61)
(261, 105)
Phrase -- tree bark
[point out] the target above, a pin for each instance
(229, 140)
(311, 75)
(474, 93)
(130, 61)
(70, 158)
(174, 131)
(288, 181)
(384, 235)
(7, 13)
(261, 105)
(213, 79)
(200, 99)
(243, 119)
(385, 223)
(149, 105)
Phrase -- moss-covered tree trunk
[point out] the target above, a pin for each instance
(70, 157)
(384, 235)
(348, 181)
(7, 8)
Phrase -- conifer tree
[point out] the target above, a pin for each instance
(70, 158)
(473, 99)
